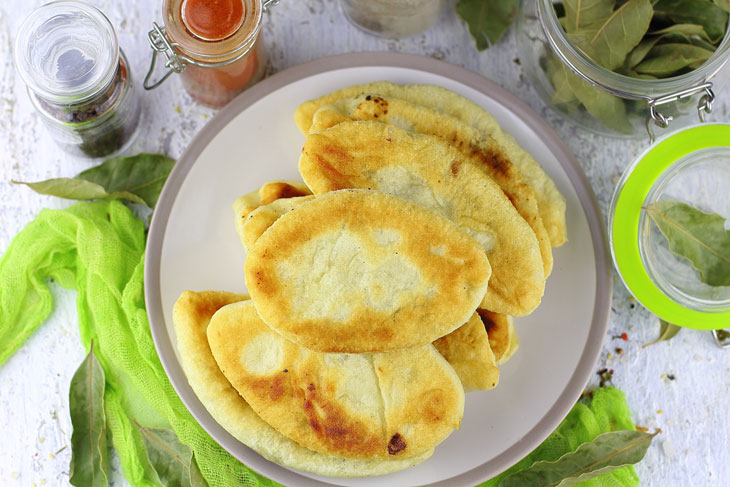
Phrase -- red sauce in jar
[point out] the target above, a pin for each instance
(212, 20)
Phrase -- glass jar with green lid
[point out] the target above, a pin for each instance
(622, 101)
(78, 78)
(667, 227)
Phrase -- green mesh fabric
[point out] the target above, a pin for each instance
(606, 411)
(98, 249)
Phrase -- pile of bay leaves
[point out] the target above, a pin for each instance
(644, 39)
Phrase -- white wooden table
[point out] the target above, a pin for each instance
(681, 386)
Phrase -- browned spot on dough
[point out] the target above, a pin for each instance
(396, 444)
(271, 387)
(455, 167)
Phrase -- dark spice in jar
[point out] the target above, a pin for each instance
(102, 123)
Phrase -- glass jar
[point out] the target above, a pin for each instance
(392, 18)
(682, 174)
(78, 78)
(215, 46)
(603, 101)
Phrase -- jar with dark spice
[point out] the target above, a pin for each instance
(78, 78)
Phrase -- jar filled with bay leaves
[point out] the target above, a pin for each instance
(626, 67)
(668, 227)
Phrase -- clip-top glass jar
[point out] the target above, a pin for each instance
(214, 46)
(78, 78)
(603, 101)
(392, 18)
(666, 227)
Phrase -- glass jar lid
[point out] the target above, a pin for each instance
(66, 50)
(666, 210)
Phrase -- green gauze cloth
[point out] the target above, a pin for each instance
(98, 249)
(607, 411)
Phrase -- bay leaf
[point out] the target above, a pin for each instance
(138, 179)
(607, 452)
(675, 38)
(78, 189)
(143, 175)
(703, 12)
(584, 13)
(610, 42)
(639, 52)
(723, 4)
(488, 20)
(697, 236)
(89, 464)
(684, 29)
(173, 461)
(667, 59)
(610, 110)
(667, 331)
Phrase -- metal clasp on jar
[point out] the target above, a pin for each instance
(177, 61)
(704, 106)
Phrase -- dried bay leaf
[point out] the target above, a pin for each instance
(488, 20)
(606, 108)
(138, 179)
(703, 12)
(607, 452)
(667, 331)
(173, 461)
(697, 236)
(89, 463)
(639, 52)
(723, 4)
(667, 59)
(684, 29)
(584, 13)
(610, 42)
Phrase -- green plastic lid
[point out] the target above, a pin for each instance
(696, 163)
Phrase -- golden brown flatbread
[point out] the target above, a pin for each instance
(503, 338)
(263, 217)
(357, 271)
(267, 193)
(191, 316)
(387, 405)
(550, 202)
(426, 171)
(467, 349)
(477, 149)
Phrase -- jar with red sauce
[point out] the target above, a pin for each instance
(213, 44)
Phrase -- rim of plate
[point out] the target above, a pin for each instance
(589, 204)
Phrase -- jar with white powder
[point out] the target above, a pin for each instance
(392, 18)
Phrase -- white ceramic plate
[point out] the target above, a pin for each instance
(193, 245)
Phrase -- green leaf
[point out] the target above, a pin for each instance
(78, 189)
(665, 59)
(606, 453)
(723, 4)
(89, 464)
(684, 29)
(173, 461)
(584, 13)
(697, 236)
(610, 42)
(607, 108)
(667, 331)
(488, 20)
(639, 52)
(138, 179)
(703, 12)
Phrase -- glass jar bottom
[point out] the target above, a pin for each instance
(700, 180)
